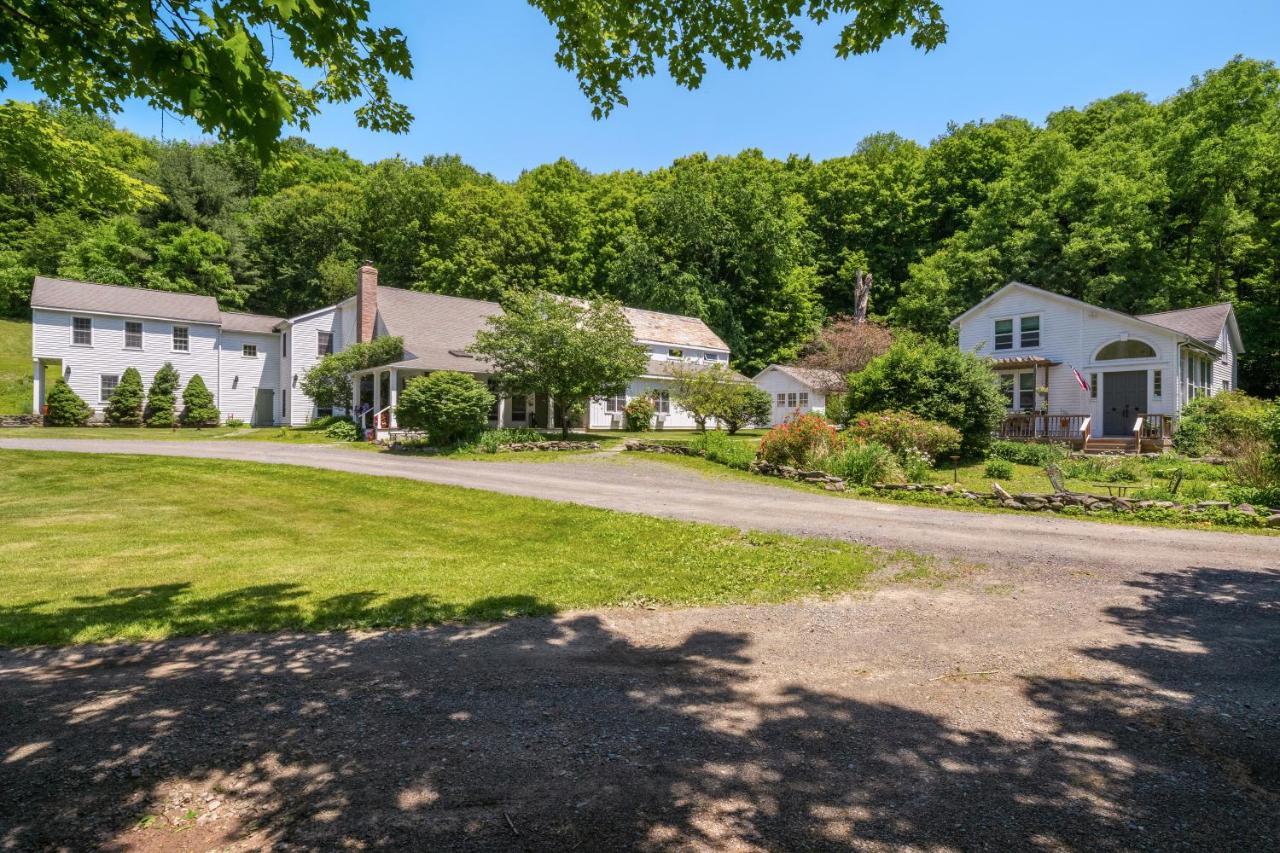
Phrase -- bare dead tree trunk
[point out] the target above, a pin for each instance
(861, 293)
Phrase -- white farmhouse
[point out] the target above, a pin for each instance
(797, 390)
(1076, 372)
(254, 364)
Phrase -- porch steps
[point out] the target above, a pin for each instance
(1110, 445)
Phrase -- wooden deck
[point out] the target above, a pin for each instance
(1150, 434)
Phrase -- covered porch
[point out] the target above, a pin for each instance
(375, 394)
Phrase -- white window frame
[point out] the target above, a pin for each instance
(186, 339)
(1157, 384)
(127, 324)
(1024, 388)
(105, 398)
(781, 400)
(792, 400)
(249, 350)
(615, 404)
(804, 399)
(87, 330)
(997, 335)
(662, 402)
(1023, 333)
(321, 349)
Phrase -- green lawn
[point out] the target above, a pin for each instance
(97, 548)
(15, 367)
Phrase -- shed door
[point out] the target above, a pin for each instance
(1124, 398)
(264, 407)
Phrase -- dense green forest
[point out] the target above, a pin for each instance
(1135, 205)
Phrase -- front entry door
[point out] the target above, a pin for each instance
(264, 407)
(1124, 398)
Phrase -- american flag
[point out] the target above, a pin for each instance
(1084, 386)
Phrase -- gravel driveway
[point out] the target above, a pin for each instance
(1118, 695)
(635, 483)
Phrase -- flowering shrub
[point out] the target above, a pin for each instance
(804, 441)
(903, 431)
(639, 412)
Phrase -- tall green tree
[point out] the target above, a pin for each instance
(125, 406)
(161, 398)
(573, 350)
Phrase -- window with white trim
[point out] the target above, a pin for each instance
(518, 410)
(82, 331)
(1130, 348)
(133, 334)
(1093, 386)
(675, 353)
(1004, 334)
(1157, 383)
(1026, 391)
(1006, 389)
(324, 343)
(782, 400)
(662, 402)
(249, 350)
(1029, 331)
(791, 400)
(107, 383)
(615, 403)
(804, 399)
(181, 339)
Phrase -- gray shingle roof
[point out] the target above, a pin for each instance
(438, 329)
(818, 379)
(1204, 323)
(236, 321)
(664, 368)
(675, 329)
(91, 298)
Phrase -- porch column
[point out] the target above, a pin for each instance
(502, 411)
(377, 396)
(37, 386)
(355, 396)
(395, 395)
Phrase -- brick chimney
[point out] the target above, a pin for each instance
(366, 301)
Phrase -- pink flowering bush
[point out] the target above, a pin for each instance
(803, 441)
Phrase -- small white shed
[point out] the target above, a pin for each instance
(797, 390)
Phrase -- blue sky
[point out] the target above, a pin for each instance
(486, 85)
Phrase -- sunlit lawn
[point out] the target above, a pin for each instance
(120, 547)
(15, 367)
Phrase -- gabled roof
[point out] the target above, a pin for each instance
(816, 378)
(1204, 323)
(237, 321)
(662, 328)
(1142, 321)
(436, 329)
(67, 295)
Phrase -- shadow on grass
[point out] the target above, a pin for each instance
(561, 734)
(173, 610)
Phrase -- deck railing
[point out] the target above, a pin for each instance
(1038, 425)
(1157, 426)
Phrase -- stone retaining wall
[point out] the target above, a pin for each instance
(522, 446)
(19, 420)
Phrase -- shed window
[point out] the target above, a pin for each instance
(1029, 331)
(132, 334)
(1126, 349)
(82, 331)
(804, 399)
(181, 339)
(249, 350)
(324, 343)
(791, 399)
(1004, 334)
(107, 386)
(782, 400)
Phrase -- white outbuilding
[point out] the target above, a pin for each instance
(797, 390)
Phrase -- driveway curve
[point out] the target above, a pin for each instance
(639, 485)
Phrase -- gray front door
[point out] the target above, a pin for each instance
(1124, 398)
(264, 407)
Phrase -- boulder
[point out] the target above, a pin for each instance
(1000, 493)
(1247, 509)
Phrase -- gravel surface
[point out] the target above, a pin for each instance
(624, 482)
(1121, 697)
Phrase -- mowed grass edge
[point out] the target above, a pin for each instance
(111, 548)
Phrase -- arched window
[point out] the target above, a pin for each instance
(1125, 349)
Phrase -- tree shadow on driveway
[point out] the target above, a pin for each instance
(559, 733)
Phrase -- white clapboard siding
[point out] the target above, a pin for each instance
(83, 366)
(242, 375)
